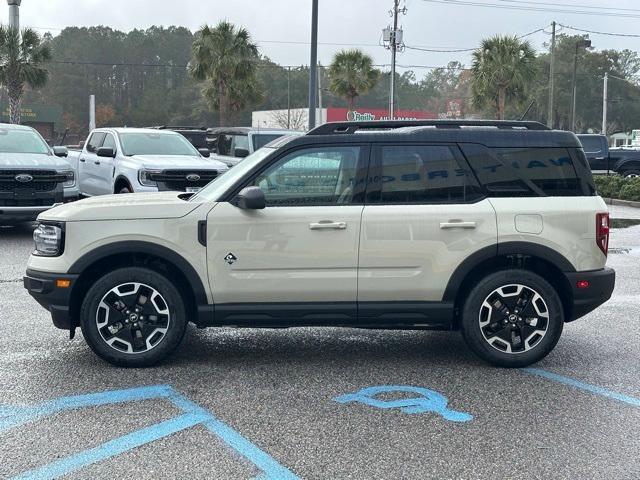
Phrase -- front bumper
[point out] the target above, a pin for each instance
(42, 286)
(23, 214)
(585, 300)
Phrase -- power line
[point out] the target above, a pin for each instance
(533, 9)
(600, 33)
(594, 7)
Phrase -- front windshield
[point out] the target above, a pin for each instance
(22, 141)
(152, 143)
(215, 189)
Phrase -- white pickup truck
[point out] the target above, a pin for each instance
(128, 160)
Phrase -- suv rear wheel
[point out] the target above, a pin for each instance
(133, 317)
(512, 318)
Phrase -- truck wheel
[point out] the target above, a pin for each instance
(133, 317)
(631, 174)
(125, 190)
(512, 318)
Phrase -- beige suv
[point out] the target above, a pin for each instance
(491, 228)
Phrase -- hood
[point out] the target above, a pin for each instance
(131, 206)
(33, 161)
(179, 162)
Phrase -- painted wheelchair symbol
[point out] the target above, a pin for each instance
(425, 401)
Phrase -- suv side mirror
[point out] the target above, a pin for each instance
(107, 152)
(204, 152)
(250, 198)
(61, 151)
(241, 153)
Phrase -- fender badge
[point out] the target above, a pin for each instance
(230, 259)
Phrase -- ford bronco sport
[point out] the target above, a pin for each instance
(491, 228)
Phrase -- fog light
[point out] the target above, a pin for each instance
(582, 284)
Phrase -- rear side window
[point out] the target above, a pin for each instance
(525, 172)
(591, 144)
(420, 174)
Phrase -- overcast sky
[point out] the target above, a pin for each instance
(432, 24)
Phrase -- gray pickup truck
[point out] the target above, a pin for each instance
(33, 176)
(602, 159)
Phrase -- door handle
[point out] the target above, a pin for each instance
(97, 162)
(465, 225)
(600, 158)
(82, 160)
(328, 225)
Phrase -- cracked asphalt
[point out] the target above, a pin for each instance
(276, 389)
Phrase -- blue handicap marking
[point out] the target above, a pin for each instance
(191, 415)
(425, 401)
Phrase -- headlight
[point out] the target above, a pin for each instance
(49, 240)
(145, 177)
(71, 179)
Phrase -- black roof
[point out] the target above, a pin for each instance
(498, 134)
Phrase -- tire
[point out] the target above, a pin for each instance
(124, 190)
(139, 338)
(631, 173)
(505, 332)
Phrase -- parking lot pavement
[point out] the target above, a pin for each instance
(236, 404)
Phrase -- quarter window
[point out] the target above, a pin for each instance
(420, 174)
(317, 176)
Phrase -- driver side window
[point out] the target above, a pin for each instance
(311, 177)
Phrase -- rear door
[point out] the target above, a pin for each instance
(88, 165)
(424, 216)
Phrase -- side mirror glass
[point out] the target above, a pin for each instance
(250, 198)
(61, 151)
(204, 152)
(241, 153)
(106, 152)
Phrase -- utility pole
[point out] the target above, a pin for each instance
(92, 113)
(552, 61)
(319, 118)
(288, 97)
(582, 43)
(392, 37)
(14, 13)
(604, 103)
(313, 73)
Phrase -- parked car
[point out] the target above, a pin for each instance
(232, 145)
(495, 230)
(127, 160)
(196, 135)
(602, 159)
(33, 176)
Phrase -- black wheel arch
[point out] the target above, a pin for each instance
(545, 261)
(120, 183)
(139, 253)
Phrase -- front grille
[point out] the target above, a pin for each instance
(43, 180)
(176, 180)
(27, 202)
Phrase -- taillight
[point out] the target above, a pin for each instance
(602, 232)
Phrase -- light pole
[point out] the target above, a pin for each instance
(14, 13)
(582, 43)
(313, 65)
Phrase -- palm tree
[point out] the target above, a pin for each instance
(22, 57)
(351, 74)
(226, 58)
(503, 68)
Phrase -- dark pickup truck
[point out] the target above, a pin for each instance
(602, 159)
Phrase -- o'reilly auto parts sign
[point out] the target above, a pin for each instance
(370, 114)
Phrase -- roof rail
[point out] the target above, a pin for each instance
(347, 128)
(177, 127)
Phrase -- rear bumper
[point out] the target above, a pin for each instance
(42, 287)
(585, 300)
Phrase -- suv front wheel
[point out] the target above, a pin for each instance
(512, 318)
(133, 317)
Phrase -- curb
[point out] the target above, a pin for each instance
(624, 203)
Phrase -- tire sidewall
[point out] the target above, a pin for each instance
(168, 344)
(470, 318)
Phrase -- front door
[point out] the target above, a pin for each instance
(424, 216)
(89, 166)
(297, 259)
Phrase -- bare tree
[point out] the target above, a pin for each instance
(296, 119)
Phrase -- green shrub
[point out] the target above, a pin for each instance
(630, 190)
(609, 186)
